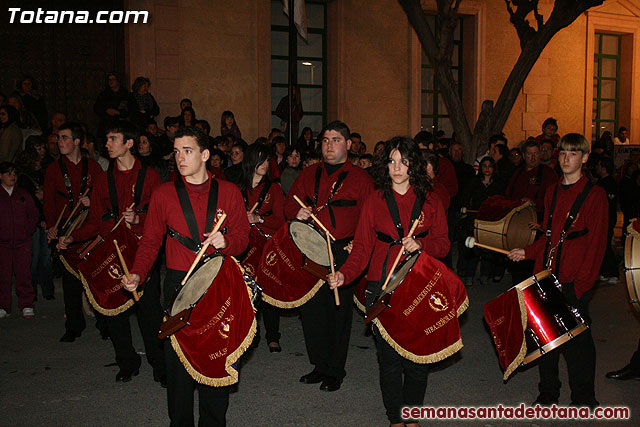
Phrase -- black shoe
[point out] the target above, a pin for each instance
(124, 376)
(314, 377)
(276, 348)
(624, 374)
(331, 384)
(69, 336)
(256, 341)
(104, 334)
(545, 400)
(162, 379)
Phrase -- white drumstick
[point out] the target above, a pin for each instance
(471, 242)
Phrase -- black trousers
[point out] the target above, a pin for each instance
(327, 329)
(635, 360)
(213, 401)
(521, 270)
(580, 355)
(271, 318)
(72, 291)
(149, 315)
(402, 382)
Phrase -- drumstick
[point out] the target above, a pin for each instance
(64, 208)
(315, 218)
(126, 270)
(397, 260)
(122, 217)
(465, 210)
(253, 208)
(471, 242)
(204, 248)
(333, 269)
(75, 208)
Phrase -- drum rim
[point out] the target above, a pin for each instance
(205, 259)
(409, 257)
(632, 286)
(537, 353)
(310, 225)
(529, 280)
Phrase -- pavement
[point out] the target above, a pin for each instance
(47, 383)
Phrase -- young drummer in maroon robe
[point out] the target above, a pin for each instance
(257, 188)
(191, 153)
(576, 259)
(337, 205)
(401, 179)
(125, 173)
(81, 174)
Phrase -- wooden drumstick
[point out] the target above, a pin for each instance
(465, 210)
(333, 269)
(75, 208)
(126, 270)
(471, 242)
(254, 207)
(204, 248)
(64, 208)
(122, 217)
(321, 225)
(397, 260)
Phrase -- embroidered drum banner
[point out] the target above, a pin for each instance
(422, 322)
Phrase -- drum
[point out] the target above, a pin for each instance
(197, 285)
(100, 271)
(397, 277)
(283, 271)
(311, 242)
(220, 325)
(551, 321)
(421, 319)
(70, 258)
(504, 223)
(632, 263)
(257, 240)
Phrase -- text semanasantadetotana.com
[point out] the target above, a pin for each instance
(40, 16)
(516, 412)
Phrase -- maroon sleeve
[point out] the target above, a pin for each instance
(363, 243)
(154, 229)
(596, 215)
(436, 243)
(237, 236)
(276, 219)
(152, 181)
(447, 176)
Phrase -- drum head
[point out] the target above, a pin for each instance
(518, 233)
(401, 271)
(310, 242)
(197, 284)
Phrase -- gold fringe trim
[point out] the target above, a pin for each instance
(429, 358)
(361, 307)
(463, 307)
(68, 267)
(231, 358)
(293, 304)
(107, 311)
(632, 231)
(523, 347)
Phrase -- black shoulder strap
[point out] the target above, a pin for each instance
(137, 192)
(113, 192)
(261, 197)
(573, 214)
(316, 188)
(187, 209)
(67, 181)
